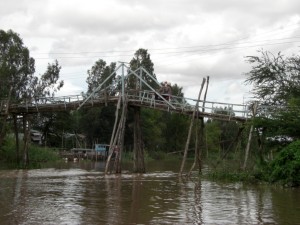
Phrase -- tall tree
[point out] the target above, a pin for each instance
(276, 85)
(16, 66)
(99, 72)
(96, 123)
(16, 72)
(275, 78)
(49, 82)
(18, 82)
(142, 58)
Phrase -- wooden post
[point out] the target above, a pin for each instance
(202, 127)
(17, 139)
(120, 145)
(190, 129)
(111, 144)
(26, 127)
(138, 150)
(254, 109)
(117, 139)
(198, 150)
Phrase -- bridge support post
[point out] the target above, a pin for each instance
(16, 130)
(117, 139)
(138, 150)
(247, 150)
(26, 127)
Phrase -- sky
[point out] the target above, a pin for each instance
(186, 39)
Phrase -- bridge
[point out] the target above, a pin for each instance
(137, 94)
(144, 98)
(110, 93)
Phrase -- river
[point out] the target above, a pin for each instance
(80, 193)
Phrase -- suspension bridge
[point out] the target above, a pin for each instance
(137, 89)
(140, 97)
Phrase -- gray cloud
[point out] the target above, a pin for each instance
(88, 30)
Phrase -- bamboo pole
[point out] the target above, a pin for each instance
(197, 159)
(254, 109)
(202, 127)
(190, 129)
(17, 138)
(117, 164)
(111, 145)
(27, 127)
(196, 150)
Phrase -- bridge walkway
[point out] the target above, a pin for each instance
(143, 98)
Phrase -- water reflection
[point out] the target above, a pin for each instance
(82, 194)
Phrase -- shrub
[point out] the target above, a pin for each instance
(285, 168)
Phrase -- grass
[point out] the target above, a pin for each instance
(37, 155)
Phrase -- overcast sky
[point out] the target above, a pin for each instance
(187, 39)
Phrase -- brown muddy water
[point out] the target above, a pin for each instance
(80, 193)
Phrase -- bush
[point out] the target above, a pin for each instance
(42, 154)
(285, 168)
(37, 155)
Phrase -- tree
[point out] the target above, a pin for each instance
(142, 58)
(16, 72)
(228, 129)
(98, 73)
(49, 82)
(18, 83)
(16, 66)
(275, 78)
(276, 85)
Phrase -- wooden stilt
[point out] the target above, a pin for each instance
(17, 139)
(254, 109)
(117, 140)
(199, 134)
(120, 146)
(26, 127)
(138, 150)
(196, 157)
(190, 130)
(112, 139)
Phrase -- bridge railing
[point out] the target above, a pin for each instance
(39, 102)
(187, 104)
(146, 97)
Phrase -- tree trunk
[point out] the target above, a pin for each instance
(138, 150)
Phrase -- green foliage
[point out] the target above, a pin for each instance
(16, 66)
(275, 78)
(285, 168)
(142, 58)
(99, 73)
(8, 151)
(37, 155)
(96, 124)
(152, 128)
(41, 154)
(212, 136)
(175, 132)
